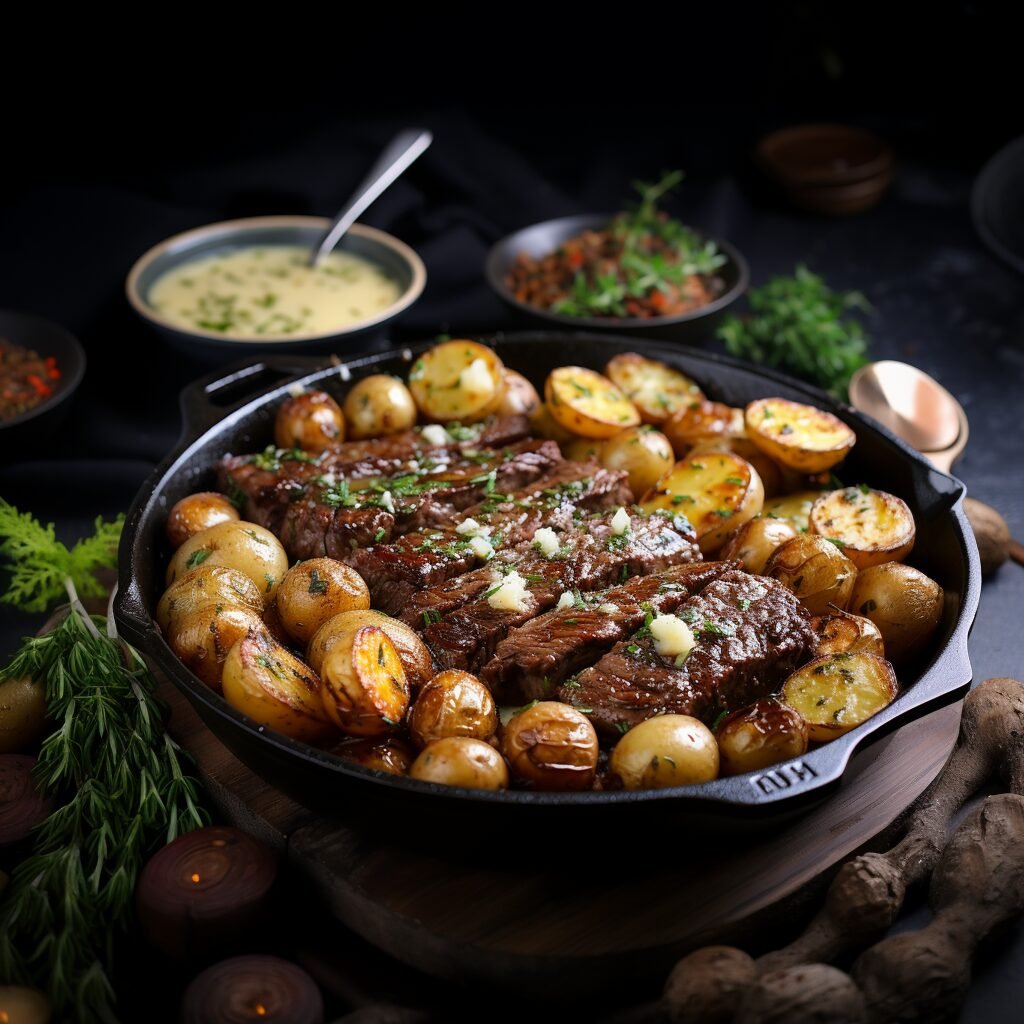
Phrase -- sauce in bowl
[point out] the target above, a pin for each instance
(270, 291)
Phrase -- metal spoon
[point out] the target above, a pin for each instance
(400, 152)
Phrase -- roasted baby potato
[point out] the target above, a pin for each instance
(839, 691)
(842, 632)
(580, 449)
(519, 398)
(268, 683)
(872, 526)
(412, 651)
(587, 404)
(453, 703)
(457, 380)
(543, 424)
(378, 405)
(316, 590)
(196, 512)
(642, 452)
(795, 508)
(272, 618)
(756, 541)
(799, 436)
(716, 492)
(759, 735)
(816, 571)
(312, 421)
(657, 390)
(461, 761)
(364, 686)
(669, 750)
(701, 420)
(552, 746)
(905, 605)
(207, 584)
(203, 638)
(22, 714)
(391, 755)
(243, 546)
(773, 476)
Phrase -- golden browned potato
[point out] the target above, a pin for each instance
(774, 477)
(669, 750)
(795, 508)
(272, 618)
(412, 651)
(457, 380)
(312, 421)
(656, 389)
(642, 452)
(816, 571)
(207, 584)
(587, 404)
(520, 397)
(905, 605)
(378, 405)
(268, 683)
(461, 761)
(799, 436)
(871, 526)
(551, 746)
(202, 638)
(365, 689)
(759, 735)
(582, 449)
(22, 714)
(839, 691)
(391, 755)
(842, 631)
(716, 492)
(453, 703)
(196, 512)
(700, 421)
(756, 541)
(243, 546)
(316, 590)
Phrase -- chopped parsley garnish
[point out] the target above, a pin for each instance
(743, 603)
(317, 584)
(197, 558)
(432, 615)
(379, 535)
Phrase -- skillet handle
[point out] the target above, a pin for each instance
(208, 400)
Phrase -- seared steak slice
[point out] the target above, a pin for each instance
(396, 572)
(751, 633)
(464, 632)
(533, 660)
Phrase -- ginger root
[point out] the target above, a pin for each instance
(810, 994)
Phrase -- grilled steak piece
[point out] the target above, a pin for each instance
(533, 660)
(751, 633)
(461, 627)
(396, 572)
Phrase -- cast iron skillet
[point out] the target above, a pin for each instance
(233, 411)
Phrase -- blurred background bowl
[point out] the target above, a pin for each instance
(388, 253)
(540, 239)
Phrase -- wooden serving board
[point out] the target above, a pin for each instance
(569, 919)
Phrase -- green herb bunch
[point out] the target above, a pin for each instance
(800, 325)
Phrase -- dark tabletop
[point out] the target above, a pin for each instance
(941, 300)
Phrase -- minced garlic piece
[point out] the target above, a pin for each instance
(510, 595)
(477, 378)
(435, 434)
(482, 548)
(672, 636)
(386, 502)
(567, 600)
(471, 528)
(620, 522)
(607, 608)
(546, 541)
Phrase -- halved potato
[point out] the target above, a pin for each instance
(203, 638)
(837, 692)
(268, 683)
(457, 380)
(701, 420)
(843, 632)
(656, 389)
(760, 735)
(316, 590)
(365, 689)
(756, 541)
(204, 585)
(412, 651)
(774, 477)
(379, 405)
(799, 436)
(716, 492)
(905, 605)
(543, 424)
(244, 546)
(520, 397)
(643, 452)
(815, 570)
(795, 508)
(873, 527)
(587, 404)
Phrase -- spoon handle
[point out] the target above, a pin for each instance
(400, 152)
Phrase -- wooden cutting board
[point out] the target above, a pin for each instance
(572, 919)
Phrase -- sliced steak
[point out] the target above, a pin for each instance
(396, 572)
(533, 660)
(461, 627)
(751, 633)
